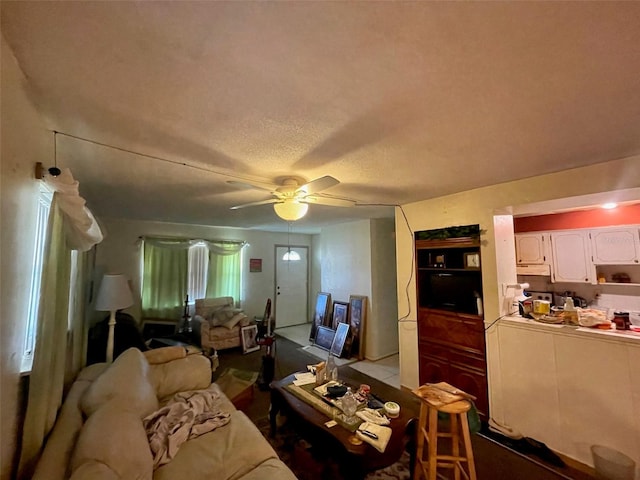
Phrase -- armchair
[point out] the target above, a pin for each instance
(219, 323)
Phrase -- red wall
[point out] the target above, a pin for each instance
(624, 215)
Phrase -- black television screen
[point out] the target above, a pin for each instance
(454, 291)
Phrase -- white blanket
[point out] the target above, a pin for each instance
(187, 415)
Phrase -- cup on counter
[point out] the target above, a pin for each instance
(541, 307)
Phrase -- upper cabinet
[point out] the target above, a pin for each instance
(532, 248)
(572, 257)
(615, 246)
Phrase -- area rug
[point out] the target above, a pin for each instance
(233, 381)
(322, 355)
(309, 464)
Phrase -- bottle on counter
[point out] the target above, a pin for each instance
(570, 312)
(621, 320)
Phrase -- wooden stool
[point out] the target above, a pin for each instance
(428, 430)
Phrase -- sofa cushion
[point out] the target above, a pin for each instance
(126, 383)
(164, 354)
(230, 451)
(192, 372)
(116, 438)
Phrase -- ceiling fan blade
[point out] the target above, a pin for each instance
(329, 201)
(253, 204)
(317, 185)
(252, 186)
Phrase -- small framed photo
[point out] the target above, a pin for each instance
(472, 260)
(249, 342)
(340, 314)
(337, 346)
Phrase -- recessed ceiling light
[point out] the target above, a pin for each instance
(609, 205)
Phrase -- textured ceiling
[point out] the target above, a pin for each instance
(400, 101)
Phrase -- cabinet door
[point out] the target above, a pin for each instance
(615, 246)
(571, 257)
(473, 382)
(532, 248)
(433, 369)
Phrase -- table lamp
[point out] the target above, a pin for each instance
(114, 294)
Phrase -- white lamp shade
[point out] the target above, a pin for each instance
(114, 293)
(291, 210)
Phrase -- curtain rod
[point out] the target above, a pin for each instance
(154, 157)
(234, 242)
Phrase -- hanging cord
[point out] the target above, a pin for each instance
(404, 318)
(154, 157)
(55, 171)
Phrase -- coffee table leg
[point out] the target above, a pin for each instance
(273, 412)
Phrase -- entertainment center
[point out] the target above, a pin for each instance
(451, 341)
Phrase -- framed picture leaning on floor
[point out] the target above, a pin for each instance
(339, 340)
(357, 316)
(249, 342)
(320, 313)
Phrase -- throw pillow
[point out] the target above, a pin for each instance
(125, 382)
(237, 318)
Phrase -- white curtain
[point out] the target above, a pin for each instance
(81, 228)
(60, 349)
(46, 382)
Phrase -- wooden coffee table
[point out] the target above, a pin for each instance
(355, 460)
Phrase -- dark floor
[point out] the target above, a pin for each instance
(494, 461)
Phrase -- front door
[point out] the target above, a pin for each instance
(292, 274)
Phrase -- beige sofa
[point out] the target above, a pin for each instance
(218, 323)
(99, 433)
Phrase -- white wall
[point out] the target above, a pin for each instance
(351, 255)
(383, 339)
(25, 141)
(120, 253)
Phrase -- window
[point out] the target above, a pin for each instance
(173, 268)
(197, 273)
(42, 217)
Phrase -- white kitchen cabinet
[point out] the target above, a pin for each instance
(571, 257)
(532, 248)
(569, 388)
(615, 246)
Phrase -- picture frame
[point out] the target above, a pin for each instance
(248, 335)
(339, 340)
(324, 337)
(357, 322)
(320, 313)
(340, 314)
(472, 260)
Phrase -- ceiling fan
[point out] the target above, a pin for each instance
(291, 199)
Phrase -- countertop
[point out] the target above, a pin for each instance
(624, 336)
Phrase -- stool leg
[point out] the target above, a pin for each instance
(467, 447)
(421, 433)
(433, 443)
(455, 445)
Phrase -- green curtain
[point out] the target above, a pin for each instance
(223, 276)
(46, 382)
(164, 278)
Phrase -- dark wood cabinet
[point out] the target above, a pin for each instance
(451, 340)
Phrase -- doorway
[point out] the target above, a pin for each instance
(292, 285)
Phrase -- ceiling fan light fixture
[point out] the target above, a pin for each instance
(291, 210)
